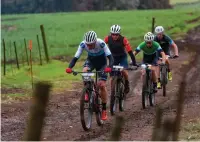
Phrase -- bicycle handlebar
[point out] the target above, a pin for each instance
(120, 68)
(78, 72)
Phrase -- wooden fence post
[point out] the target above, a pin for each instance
(44, 43)
(16, 55)
(40, 56)
(153, 24)
(4, 58)
(37, 112)
(11, 56)
(26, 51)
(30, 48)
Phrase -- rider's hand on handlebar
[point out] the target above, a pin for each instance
(68, 70)
(107, 69)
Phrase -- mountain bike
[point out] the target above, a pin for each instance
(118, 95)
(148, 93)
(164, 74)
(163, 77)
(90, 100)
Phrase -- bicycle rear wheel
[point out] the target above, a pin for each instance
(86, 107)
(151, 95)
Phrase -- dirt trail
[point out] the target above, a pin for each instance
(63, 122)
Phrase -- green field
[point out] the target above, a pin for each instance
(64, 32)
(182, 1)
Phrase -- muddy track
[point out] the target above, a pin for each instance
(63, 122)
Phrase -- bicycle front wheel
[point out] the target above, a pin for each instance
(86, 109)
(145, 91)
(164, 80)
(113, 98)
(121, 95)
(98, 111)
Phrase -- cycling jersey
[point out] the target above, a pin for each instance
(165, 43)
(96, 57)
(118, 47)
(149, 53)
(100, 49)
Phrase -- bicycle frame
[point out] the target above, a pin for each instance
(148, 71)
(147, 89)
(90, 91)
(89, 82)
(117, 70)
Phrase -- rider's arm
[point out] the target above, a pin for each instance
(108, 53)
(137, 50)
(159, 49)
(129, 50)
(175, 48)
(163, 56)
(77, 55)
(172, 44)
(111, 60)
(106, 39)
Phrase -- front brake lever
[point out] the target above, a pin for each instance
(75, 73)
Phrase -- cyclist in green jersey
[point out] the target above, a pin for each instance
(150, 49)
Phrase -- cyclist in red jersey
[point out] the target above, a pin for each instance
(119, 47)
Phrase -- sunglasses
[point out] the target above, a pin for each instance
(115, 34)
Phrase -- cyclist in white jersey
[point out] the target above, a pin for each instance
(97, 53)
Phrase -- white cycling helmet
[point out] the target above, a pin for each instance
(115, 29)
(149, 37)
(90, 37)
(159, 29)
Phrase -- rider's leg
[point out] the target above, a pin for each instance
(169, 70)
(125, 74)
(155, 72)
(158, 75)
(127, 86)
(116, 62)
(167, 52)
(124, 63)
(103, 94)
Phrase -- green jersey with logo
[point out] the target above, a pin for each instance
(150, 53)
(149, 50)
